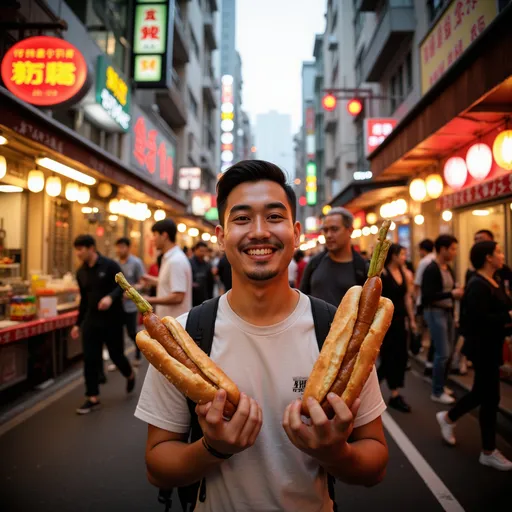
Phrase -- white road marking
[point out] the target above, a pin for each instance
(443, 495)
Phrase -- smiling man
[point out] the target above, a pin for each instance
(265, 458)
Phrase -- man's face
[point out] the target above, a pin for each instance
(482, 237)
(159, 240)
(201, 253)
(84, 254)
(122, 251)
(259, 235)
(337, 236)
(449, 253)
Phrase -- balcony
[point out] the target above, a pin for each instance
(209, 86)
(172, 104)
(396, 25)
(209, 30)
(367, 5)
(180, 48)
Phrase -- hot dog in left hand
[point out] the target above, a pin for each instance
(169, 348)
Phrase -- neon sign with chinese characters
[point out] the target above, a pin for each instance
(152, 42)
(376, 130)
(151, 153)
(44, 71)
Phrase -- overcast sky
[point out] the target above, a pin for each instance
(274, 37)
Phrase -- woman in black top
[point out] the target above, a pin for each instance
(393, 353)
(486, 314)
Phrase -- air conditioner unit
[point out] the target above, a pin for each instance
(332, 42)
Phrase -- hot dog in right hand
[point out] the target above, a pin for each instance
(353, 343)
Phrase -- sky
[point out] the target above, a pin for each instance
(274, 37)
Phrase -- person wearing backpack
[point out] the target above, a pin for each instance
(263, 336)
(332, 272)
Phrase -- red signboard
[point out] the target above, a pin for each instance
(376, 130)
(44, 70)
(485, 191)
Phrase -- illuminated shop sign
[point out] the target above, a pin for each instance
(376, 129)
(227, 123)
(311, 183)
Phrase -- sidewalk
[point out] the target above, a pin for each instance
(466, 382)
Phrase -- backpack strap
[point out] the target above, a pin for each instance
(323, 315)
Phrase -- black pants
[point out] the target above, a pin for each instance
(486, 394)
(130, 321)
(393, 355)
(93, 338)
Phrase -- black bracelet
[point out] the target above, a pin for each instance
(214, 452)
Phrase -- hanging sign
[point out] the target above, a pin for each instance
(44, 71)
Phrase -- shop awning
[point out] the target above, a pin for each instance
(366, 194)
(43, 132)
(472, 98)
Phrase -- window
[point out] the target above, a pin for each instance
(408, 73)
(192, 103)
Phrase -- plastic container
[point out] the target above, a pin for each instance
(23, 308)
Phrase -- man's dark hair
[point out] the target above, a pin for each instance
(84, 241)
(479, 253)
(124, 241)
(165, 226)
(252, 171)
(445, 241)
(299, 255)
(200, 244)
(487, 232)
(427, 245)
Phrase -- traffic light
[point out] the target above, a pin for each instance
(355, 107)
(329, 102)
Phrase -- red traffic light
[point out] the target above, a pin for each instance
(303, 201)
(354, 107)
(329, 102)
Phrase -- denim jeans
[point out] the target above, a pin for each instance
(441, 326)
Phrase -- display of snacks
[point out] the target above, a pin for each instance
(23, 308)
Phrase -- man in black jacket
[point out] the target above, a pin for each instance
(100, 318)
(331, 273)
(438, 296)
(202, 288)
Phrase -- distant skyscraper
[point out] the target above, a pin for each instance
(274, 140)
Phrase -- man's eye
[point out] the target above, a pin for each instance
(275, 216)
(241, 218)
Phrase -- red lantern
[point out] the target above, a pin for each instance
(329, 102)
(354, 107)
(455, 172)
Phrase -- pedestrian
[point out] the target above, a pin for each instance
(174, 281)
(486, 313)
(331, 273)
(393, 352)
(100, 318)
(202, 274)
(133, 269)
(427, 254)
(265, 457)
(301, 266)
(224, 271)
(438, 295)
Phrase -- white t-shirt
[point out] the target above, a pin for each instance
(422, 265)
(270, 364)
(175, 276)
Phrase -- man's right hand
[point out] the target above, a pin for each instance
(75, 332)
(235, 435)
(457, 293)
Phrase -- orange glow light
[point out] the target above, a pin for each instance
(329, 102)
(354, 107)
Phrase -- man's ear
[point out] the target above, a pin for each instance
(219, 233)
(296, 234)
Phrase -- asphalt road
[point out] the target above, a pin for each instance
(58, 461)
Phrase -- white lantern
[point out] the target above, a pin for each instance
(374, 230)
(206, 236)
(365, 231)
(113, 206)
(213, 239)
(159, 215)
(418, 189)
(419, 220)
(447, 215)
(71, 192)
(83, 195)
(53, 186)
(435, 186)
(3, 167)
(35, 181)
(479, 161)
(182, 227)
(193, 232)
(455, 172)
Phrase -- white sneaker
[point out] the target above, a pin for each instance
(443, 399)
(446, 428)
(448, 391)
(496, 460)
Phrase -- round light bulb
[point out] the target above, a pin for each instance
(419, 220)
(35, 181)
(159, 215)
(53, 186)
(447, 215)
(182, 227)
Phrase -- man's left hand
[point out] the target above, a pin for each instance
(105, 303)
(324, 439)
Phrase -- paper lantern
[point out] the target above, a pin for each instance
(159, 215)
(104, 189)
(3, 167)
(447, 215)
(434, 184)
(502, 150)
(455, 172)
(479, 161)
(371, 218)
(419, 220)
(35, 181)
(53, 186)
(182, 227)
(83, 195)
(71, 192)
(418, 190)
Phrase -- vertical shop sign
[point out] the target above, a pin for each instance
(152, 43)
(311, 185)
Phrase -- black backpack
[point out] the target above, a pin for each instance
(201, 326)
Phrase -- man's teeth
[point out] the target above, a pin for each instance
(259, 252)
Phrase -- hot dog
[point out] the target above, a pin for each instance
(353, 343)
(169, 348)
